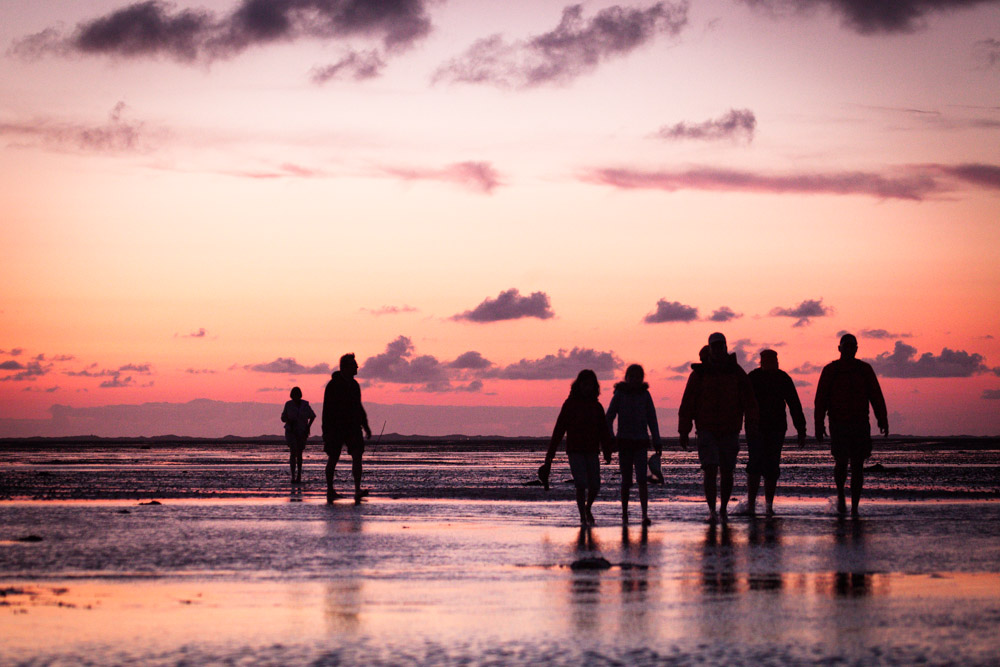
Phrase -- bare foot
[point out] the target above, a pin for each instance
(770, 511)
(646, 521)
(712, 516)
(841, 505)
(590, 518)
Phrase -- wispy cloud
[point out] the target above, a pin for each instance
(671, 311)
(987, 53)
(724, 314)
(390, 310)
(869, 17)
(562, 365)
(478, 176)
(200, 333)
(807, 368)
(877, 334)
(509, 305)
(154, 29)
(115, 135)
(200, 371)
(991, 394)
(289, 366)
(804, 312)
(577, 46)
(903, 362)
(356, 65)
(735, 124)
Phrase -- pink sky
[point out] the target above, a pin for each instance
(215, 199)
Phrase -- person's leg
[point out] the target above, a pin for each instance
(625, 465)
(840, 478)
(332, 448)
(356, 471)
(753, 485)
(857, 482)
(581, 504)
(644, 501)
(593, 484)
(710, 487)
(291, 462)
(725, 488)
(770, 486)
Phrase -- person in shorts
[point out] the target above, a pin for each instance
(632, 405)
(344, 419)
(773, 389)
(581, 420)
(847, 386)
(717, 399)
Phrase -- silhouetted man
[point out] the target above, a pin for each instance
(343, 420)
(846, 387)
(773, 389)
(716, 399)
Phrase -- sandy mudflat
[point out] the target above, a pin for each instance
(269, 581)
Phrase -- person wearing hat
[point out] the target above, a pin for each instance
(773, 389)
(846, 387)
(717, 399)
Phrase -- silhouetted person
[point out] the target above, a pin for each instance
(716, 399)
(343, 420)
(583, 423)
(298, 418)
(773, 389)
(633, 406)
(846, 387)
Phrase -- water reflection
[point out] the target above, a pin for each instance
(635, 600)
(764, 555)
(585, 586)
(344, 597)
(851, 578)
(718, 567)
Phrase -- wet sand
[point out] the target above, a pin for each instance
(270, 581)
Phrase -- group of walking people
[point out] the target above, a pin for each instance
(720, 400)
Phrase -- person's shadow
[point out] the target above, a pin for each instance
(718, 569)
(851, 578)
(764, 554)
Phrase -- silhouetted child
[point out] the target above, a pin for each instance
(633, 406)
(298, 418)
(583, 423)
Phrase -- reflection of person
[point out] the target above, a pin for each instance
(846, 387)
(716, 399)
(298, 418)
(633, 406)
(582, 421)
(773, 389)
(343, 420)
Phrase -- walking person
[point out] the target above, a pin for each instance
(344, 419)
(847, 386)
(633, 406)
(773, 389)
(581, 420)
(717, 399)
(298, 418)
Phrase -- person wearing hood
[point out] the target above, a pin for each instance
(773, 389)
(633, 406)
(343, 420)
(717, 400)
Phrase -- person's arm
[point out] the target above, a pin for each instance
(877, 400)
(654, 426)
(284, 413)
(607, 435)
(363, 414)
(557, 435)
(613, 413)
(751, 412)
(822, 403)
(688, 407)
(311, 416)
(795, 408)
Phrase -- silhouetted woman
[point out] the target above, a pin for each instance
(633, 406)
(298, 418)
(582, 421)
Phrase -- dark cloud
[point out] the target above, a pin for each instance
(735, 124)
(289, 366)
(724, 314)
(16, 352)
(398, 365)
(143, 369)
(92, 371)
(28, 372)
(869, 17)
(156, 29)
(671, 311)
(117, 382)
(808, 368)
(357, 65)
(903, 362)
(471, 361)
(681, 368)
(116, 135)
(802, 383)
(575, 47)
(390, 310)
(804, 312)
(985, 175)
(11, 366)
(200, 333)
(560, 366)
(477, 176)
(914, 185)
(509, 305)
(877, 334)
(991, 394)
(987, 53)
(200, 371)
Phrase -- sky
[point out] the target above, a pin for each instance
(207, 202)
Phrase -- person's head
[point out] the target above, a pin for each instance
(349, 365)
(705, 354)
(295, 394)
(635, 374)
(585, 385)
(769, 359)
(848, 346)
(717, 346)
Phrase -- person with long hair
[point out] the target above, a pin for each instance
(632, 405)
(583, 423)
(298, 418)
